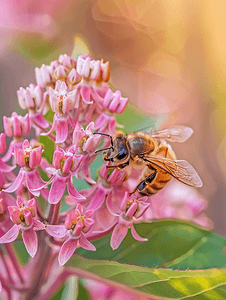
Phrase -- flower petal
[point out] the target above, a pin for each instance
(61, 131)
(136, 235)
(39, 119)
(30, 240)
(14, 186)
(57, 231)
(10, 235)
(118, 235)
(73, 192)
(34, 182)
(97, 199)
(5, 168)
(66, 251)
(57, 189)
(85, 244)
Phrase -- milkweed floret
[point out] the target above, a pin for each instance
(77, 223)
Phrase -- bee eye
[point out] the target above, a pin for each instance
(122, 154)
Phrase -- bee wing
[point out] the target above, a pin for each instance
(179, 169)
(178, 133)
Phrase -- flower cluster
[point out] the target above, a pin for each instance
(73, 106)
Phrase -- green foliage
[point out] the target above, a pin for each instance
(171, 244)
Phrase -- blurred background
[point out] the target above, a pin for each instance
(168, 57)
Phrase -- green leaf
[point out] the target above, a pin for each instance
(170, 284)
(170, 243)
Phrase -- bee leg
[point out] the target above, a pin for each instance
(111, 167)
(119, 166)
(146, 181)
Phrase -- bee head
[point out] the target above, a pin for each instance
(119, 150)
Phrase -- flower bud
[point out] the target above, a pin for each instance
(67, 61)
(73, 77)
(60, 73)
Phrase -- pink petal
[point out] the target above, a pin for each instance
(14, 186)
(38, 225)
(111, 205)
(136, 235)
(52, 128)
(85, 169)
(57, 231)
(9, 152)
(73, 192)
(5, 168)
(10, 235)
(40, 120)
(118, 235)
(57, 189)
(66, 251)
(61, 131)
(85, 244)
(90, 127)
(30, 240)
(142, 208)
(97, 199)
(131, 210)
(85, 93)
(34, 182)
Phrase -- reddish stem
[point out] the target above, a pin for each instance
(15, 262)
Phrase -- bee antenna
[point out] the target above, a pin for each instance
(105, 135)
(100, 150)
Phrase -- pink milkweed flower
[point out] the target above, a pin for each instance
(103, 189)
(85, 142)
(61, 102)
(114, 102)
(65, 164)
(43, 77)
(84, 139)
(77, 223)
(28, 159)
(91, 69)
(24, 217)
(32, 98)
(16, 126)
(127, 210)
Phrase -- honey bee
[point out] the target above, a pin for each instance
(151, 153)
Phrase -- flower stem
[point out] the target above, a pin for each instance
(14, 261)
(55, 213)
(6, 267)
